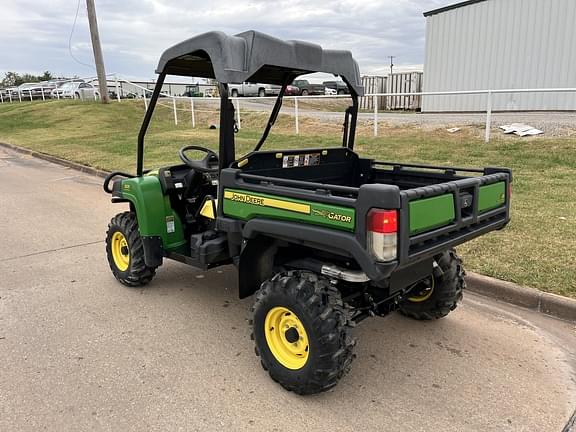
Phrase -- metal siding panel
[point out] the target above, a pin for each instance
(430, 66)
(502, 44)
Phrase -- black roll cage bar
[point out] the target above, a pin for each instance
(227, 150)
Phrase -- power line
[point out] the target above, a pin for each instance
(70, 40)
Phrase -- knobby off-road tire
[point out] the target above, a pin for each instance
(446, 291)
(125, 251)
(322, 321)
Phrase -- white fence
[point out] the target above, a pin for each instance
(376, 98)
(488, 93)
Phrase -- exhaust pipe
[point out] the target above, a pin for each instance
(336, 272)
(330, 270)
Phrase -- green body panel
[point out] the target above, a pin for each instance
(491, 196)
(429, 213)
(245, 205)
(154, 212)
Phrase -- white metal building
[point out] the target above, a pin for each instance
(501, 44)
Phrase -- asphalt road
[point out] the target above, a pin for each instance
(79, 351)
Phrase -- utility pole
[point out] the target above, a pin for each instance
(391, 63)
(98, 58)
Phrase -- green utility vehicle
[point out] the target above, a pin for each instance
(322, 237)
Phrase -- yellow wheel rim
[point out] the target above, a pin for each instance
(423, 294)
(286, 337)
(120, 251)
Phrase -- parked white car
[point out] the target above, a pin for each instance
(75, 90)
(31, 90)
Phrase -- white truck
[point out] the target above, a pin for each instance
(253, 89)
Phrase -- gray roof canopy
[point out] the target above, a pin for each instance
(255, 57)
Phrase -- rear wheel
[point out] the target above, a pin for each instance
(341, 92)
(438, 295)
(234, 93)
(125, 251)
(304, 92)
(261, 93)
(301, 329)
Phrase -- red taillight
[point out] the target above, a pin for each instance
(383, 221)
(382, 226)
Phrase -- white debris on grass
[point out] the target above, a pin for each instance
(521, 129)
(452, 130)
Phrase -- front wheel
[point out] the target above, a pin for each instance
(301, 329)
(439, 294)
(261, 93)
(125, 251)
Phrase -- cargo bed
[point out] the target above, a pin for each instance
(438, 207)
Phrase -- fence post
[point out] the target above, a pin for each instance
(296, 115)
(238, 114)
(10, 95)
(488, 116)
(175, 112)
(42, 88)
(117, 88)
(375, 101)
(145, 102)
(30, 95)
(1, 97)
(192, 110)
(19, 95)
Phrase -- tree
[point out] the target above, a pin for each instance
(47, 76)
(10, 79)
(13, 79)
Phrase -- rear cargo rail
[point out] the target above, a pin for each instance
(443, 215)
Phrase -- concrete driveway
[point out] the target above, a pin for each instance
(79, 351)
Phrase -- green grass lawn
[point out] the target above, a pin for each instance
(537, 249)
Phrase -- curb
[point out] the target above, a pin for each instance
(54, 159)
(508, 292)
(529, 298)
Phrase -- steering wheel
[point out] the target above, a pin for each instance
(209, 164)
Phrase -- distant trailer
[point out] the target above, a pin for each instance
(501, 44)
(408, 82)
(373, 84)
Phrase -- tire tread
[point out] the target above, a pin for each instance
(332, 321)
(138, 273)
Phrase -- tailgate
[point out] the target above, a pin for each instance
(434, 218)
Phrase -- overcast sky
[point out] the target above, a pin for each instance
(34, 34)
